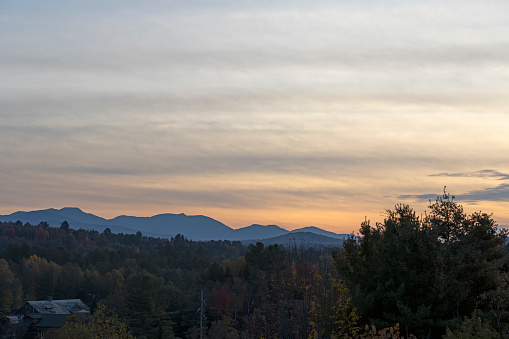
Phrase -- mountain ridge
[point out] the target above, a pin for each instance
(165, 225)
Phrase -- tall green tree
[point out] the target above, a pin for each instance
(65, 225)
(423, 272)
(146, 301)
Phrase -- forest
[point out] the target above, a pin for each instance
(441, 275)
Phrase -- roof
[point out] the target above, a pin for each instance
(67, 306)
(49, 320)
(13, 319)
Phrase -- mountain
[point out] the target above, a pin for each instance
(195, 227)
(74, 216)
(316, 230)
(51, 216)
(74, 213)
(256, 231)
(306, 239)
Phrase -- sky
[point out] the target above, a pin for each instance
(295, 113)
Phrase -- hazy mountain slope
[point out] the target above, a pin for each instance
(299, 239)
(51, 216)
(256, 231)
(195, 227)
(317, 230)
(76, 214)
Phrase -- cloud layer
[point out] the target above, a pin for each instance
(499, 193)
(292, 113)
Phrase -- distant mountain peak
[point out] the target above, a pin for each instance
(195, 227)
(71, 209)
(265, 226)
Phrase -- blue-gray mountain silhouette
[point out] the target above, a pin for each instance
(306, 239)
(195, 227)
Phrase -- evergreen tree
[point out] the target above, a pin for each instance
(64, 225)
(421, 272)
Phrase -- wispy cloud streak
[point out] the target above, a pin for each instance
(498, 193)
(487, 173)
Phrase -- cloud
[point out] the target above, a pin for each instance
(487, 173)
(497, 193)
(423, 197)
(339, 46)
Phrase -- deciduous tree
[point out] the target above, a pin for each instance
(98, 326)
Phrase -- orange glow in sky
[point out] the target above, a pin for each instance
(295, 114)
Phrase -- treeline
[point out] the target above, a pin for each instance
(441, 275)
(149, 282)
(154, 285)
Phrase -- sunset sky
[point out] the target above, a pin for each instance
(294, 113)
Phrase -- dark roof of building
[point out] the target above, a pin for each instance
(67, 306)
(49, 320)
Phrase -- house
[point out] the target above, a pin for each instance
(48, 314)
